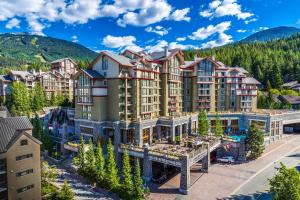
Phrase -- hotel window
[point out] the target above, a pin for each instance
(23, 173)
(24, 142)
(23, 189)
(86, 112)
(24, 157)
(104, 62)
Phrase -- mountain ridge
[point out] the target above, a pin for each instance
(274, 33)
(21, 48)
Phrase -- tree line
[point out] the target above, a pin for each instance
(276, 61)
(92, 165)
(21, 101)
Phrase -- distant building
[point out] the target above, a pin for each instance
(20, 169)
(293, 85)
(59, 79)
(210, 85)
(293, 100)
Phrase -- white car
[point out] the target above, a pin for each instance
(226, 159)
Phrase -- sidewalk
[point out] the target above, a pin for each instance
(223, 180)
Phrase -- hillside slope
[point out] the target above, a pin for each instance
(272, 34)
(18, 49)
(274, 61)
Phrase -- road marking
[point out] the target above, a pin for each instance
(261, 170)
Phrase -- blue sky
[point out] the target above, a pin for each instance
(147, 24)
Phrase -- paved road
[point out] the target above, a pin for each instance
(239, 181)
(257, 187)
(82, 190)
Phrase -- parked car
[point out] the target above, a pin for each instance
(226, 159)
(160, 179)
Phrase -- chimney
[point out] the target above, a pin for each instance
(166, 49)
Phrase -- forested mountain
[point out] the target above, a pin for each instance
(20, 49)
(274, 60)
(272, 34)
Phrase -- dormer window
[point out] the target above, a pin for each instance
(104, 62)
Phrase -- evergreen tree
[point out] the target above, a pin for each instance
(100, 163)
(255, 142)
(203, 125)
(81, 157)
(286, 184)
(38, 98)
(112, 178)
(269, 86)
(138, 182)
(218, 130)
(20, 99)
(65, 193)
(90, 161)
(127, 184)
(37, 130)
(52, 101)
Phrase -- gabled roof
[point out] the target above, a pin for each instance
(5, 78)
(290, 84)
(90, 72)
(291, 99)
(160, 55)
(62, 59)
(250, 80)
(11, 128)
(122, 60)
(23, 74)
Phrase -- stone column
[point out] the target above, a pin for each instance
(185, 178)
(117, 141)
(206, 161)
(180, 132)
(150, 135)
(242, 150)
(147, 165)
(158, 128)
(138, 135)
(172, 135)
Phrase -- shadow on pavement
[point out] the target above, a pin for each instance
(256, 196)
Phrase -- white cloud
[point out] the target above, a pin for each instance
(159, 30)
(174, 45)
(118, 41)
(80, 11)
(241, 31)
(157, 47)
(298, 22)
(152, 11)
(13, 23)
(36, 27)
(222, 40)
(40, 13)
(75, 38)
(250, 20)
(263, 28)
(223, 8)
(180, 15)
(181, 39)
(204, 33)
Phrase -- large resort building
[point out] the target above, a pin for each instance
(59, 79)
(145, 102)
(148, 105)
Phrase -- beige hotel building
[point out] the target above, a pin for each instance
(138, 98)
